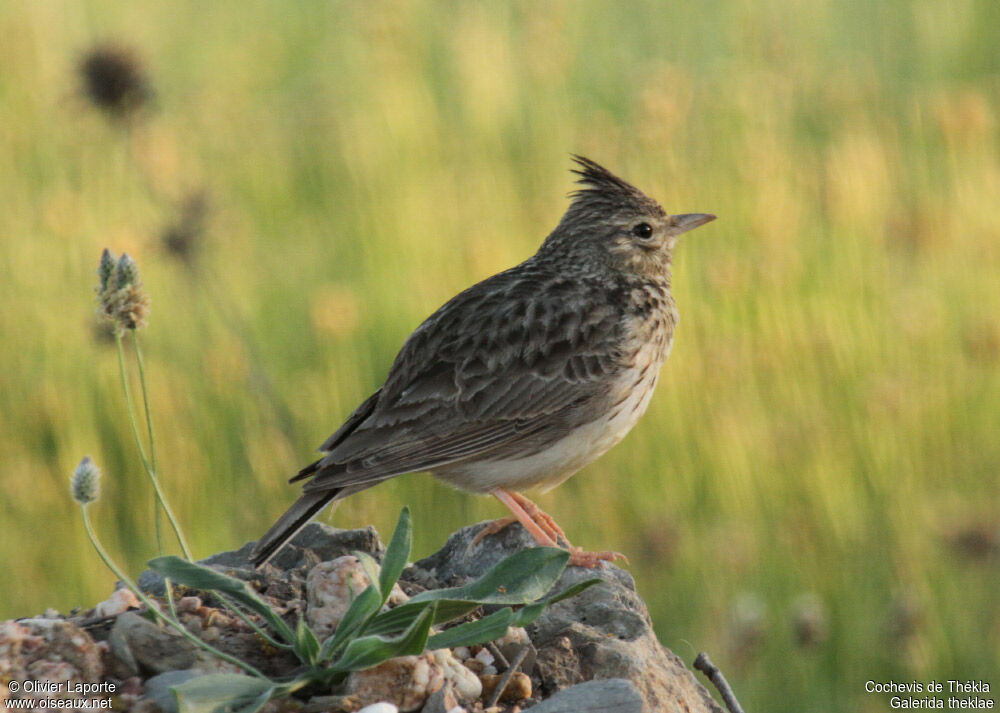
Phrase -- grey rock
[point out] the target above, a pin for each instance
(441, 701)
(607, 627)
(315, 543)
(144, 646)
(611, 695)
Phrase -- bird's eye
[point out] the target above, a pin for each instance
(643, 231)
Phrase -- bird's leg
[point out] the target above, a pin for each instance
(541, 534)
(542, 527)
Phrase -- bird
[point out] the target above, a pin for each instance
(523, 379)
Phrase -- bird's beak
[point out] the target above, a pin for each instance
(690, 221)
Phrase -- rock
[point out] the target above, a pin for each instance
(465, 683)
(120, 601)
(315, 543)
(380, 707)
(607, 627)
(406, 682)
(144, 646)
(558, 665)
(517, 689)
(443, 700)
(610, 695)
(53, 651)
(330, 588)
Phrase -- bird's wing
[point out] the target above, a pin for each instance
(513, 363)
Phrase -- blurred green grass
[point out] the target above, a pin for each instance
(827, 423)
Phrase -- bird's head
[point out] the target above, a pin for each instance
(613, 220)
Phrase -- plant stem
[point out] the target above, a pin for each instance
(128, 400)
(147, 464)
(145, 399)
(151, 605)
(149, 433)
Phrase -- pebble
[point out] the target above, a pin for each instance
(381, 707)
(518, 688)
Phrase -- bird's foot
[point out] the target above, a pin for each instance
(536, 521)
(493, 528)
(579, 558)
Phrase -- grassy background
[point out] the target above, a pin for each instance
(823, 450)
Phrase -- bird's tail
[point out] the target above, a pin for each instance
(288, 525)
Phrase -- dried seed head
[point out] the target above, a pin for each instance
(85, 483)
(120, 293)
(127, 272)
(105, 269)
(115, 80)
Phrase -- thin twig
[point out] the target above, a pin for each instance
(509, 674)
(498, 654)
(704, 664)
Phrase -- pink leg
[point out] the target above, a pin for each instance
(542, 527)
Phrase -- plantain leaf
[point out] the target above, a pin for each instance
(528, 613)
(396, 554)
(223, 693)
(371, 568)
(399, 618)
(199, 576)
(518, 579)
(361, 610)
(306, 644)
(473, 632)
(367, 651)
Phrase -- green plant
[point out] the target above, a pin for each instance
(124, 302)
(367, 636)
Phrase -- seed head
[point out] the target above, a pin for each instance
(114, 80)
(105, 269)
(85, 483)
(127, 272)
(120, 293)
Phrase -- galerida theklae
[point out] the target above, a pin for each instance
(524, 378)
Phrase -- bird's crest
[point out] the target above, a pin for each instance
(602, 188)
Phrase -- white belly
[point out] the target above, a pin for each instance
(547, 469)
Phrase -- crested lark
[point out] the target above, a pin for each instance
(524, 378)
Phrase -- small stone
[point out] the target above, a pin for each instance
(380, 707)
(330, 588)
(611, 694)
(517, 689)
(465, 683)
(485, 657)
(120, 601)
(442, 700)
(405, 681)
(188, 604)
(142, 645)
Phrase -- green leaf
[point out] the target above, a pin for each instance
(528, 613)
(306, 643)
(223, 693)
(371, 568)
(396, 554)
(520, 578)
(367, 651)
(363, 607)
(473, 632)
(201, 577)
(400, 617)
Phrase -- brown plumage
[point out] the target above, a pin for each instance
(526, 377)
